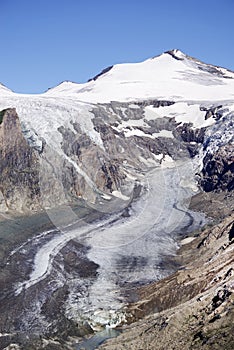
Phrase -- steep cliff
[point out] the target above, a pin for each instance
(19, 167)
(218, 169)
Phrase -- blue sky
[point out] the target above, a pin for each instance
(44, 42)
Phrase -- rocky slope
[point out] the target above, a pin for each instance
(193, 308)
(218, 169)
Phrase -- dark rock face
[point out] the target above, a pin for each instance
(193, 138)
(155, 103)
(19, 176)
(215, 112)
(191, 135)
(100, 74)
(231, 233)
(172, 53)
(218, 170)
(220, 297)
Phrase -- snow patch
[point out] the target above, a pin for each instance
(158, 156)
(163, 133)
(136, 132)
(167, 162)
(151, 113)
(187, 240)
(132, 123)
(118, 194)
(149, 162)
(133, 106)
(184, 113)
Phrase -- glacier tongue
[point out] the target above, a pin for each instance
(130, 250)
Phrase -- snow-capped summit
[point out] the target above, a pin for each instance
(172, 75)
(219, 71)
(177, 54)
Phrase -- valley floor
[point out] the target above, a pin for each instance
(192, 308)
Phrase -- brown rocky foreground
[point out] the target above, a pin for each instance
(194, 307)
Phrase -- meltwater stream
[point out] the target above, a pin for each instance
(97, 339)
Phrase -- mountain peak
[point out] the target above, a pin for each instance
(172, 75)
(177, 54)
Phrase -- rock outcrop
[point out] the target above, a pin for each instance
(218, 169)
(19, 167)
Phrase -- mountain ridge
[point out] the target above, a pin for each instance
(178, 54)
(175, 53)
(154, 77)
